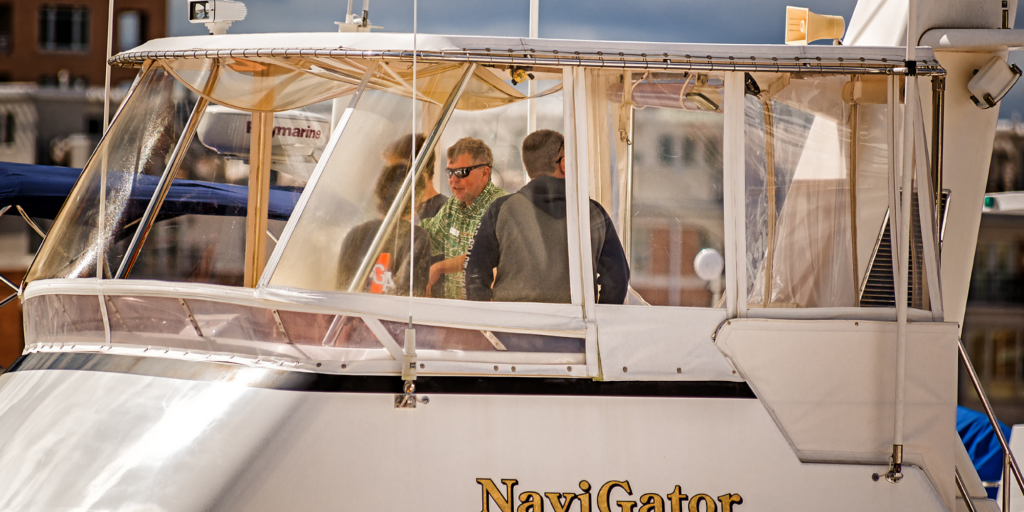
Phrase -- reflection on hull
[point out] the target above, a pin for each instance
(222, 437)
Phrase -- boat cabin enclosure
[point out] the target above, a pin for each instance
(771, 163)
(235, 211)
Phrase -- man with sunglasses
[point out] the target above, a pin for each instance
(520, 252)
(452, 228)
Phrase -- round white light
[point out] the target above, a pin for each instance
(708, 264)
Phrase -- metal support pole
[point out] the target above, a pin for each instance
(28, 220)
(259, 195)
(894, 212)
(162, 188)
(531, 104)
(9, 283)
(854, 140)
(973, 375)
(8, 300)
(390, 219)
(769, 149)
(625, 124)
(938, 117)
(106, 62)
(963, 491)
(901, 269)
(1006, 483)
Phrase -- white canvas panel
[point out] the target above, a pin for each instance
(830, 385)
(661, 343)
(1016, 441)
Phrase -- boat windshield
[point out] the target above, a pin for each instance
(355, 231)
(197, 233)
(94, 227)
(429, 170)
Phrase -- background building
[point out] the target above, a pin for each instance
(48, 42)
(994, 321)
(52, 67)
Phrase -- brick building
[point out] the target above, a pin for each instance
(51, 42)
(52, 66)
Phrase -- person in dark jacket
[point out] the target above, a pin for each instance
(390, 274)
(520, 251)
(401, 151)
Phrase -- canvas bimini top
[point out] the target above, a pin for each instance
(736, 181)
(525, 51)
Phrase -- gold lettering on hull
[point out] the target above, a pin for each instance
(491, 492)
(709, 504)
(560, 502)
(532, 501)
(606, 489)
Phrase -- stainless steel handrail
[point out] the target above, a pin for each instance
(1009, 461)
(1006, 483)
(163, 187)
(24, 215)
(10, 284)
(963, 491)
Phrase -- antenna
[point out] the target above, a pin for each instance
(531, 104)
(355, 23)
(106, 80)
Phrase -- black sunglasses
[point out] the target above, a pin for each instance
(462, 172)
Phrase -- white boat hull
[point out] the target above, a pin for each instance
(130, 440)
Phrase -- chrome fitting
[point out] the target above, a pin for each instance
(895, 473)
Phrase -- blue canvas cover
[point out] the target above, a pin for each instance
(982, 444)
(41, 190)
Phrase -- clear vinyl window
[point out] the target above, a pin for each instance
(816, 190)
(96, 224)
(354, 235)
(345, 240)
(659, 172)
(199, 235)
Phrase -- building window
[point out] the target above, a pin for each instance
(94, 125)
(7, 128)
(63, 28)
(5, 28)
(131, 29)
(64, 80)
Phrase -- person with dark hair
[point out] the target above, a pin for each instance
(390, 274)
(452, 229)
(401, 150)
(520, 251)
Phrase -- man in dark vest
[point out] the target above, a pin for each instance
(520, 251)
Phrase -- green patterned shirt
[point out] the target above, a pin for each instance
(452, 229)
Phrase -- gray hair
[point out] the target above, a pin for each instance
(475, 148)
(540, 150)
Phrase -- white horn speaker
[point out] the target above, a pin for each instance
(803, 26)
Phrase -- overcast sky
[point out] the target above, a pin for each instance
(690, 21)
